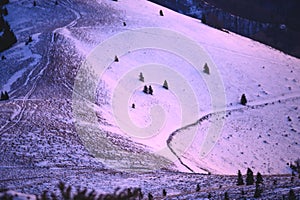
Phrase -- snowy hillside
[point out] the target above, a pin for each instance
(77, 101)
(268, 77)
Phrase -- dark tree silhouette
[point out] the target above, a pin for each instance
(150, 196)
(226, 197)
(145, 90)
(240, 180)
(292, 195)
(243, 99)
(203, 19)
(165, 85)
(197, 188)
(150, 90)
(4, 96)
(259, 178)
(133, 106)
(249, 177)
(164, 192)
(258, 190)
(161, 13)
(116, 59)
(206, 68)
(141, 77)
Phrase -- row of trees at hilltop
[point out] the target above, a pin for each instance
(7, 36)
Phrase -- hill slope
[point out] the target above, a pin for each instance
(64, 115)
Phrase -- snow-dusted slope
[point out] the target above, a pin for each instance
(260, 135)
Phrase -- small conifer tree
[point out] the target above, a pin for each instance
(164, 192)
(145, 90)
(249, 177)
(141, 77)
(203, 19)
(150, 90)
(292, 195)
(226, 197)
(259, 178)
(240, 180)
(206, 68)
(258, 190)
(116, 59)
(150, 196)
(161, 13)
(165, 85)
(243, 100)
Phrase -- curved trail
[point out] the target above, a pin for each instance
(19, 114)
(250, 105)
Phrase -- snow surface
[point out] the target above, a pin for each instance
(269, 78)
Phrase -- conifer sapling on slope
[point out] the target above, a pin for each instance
(206, 68)
(249, 177)
(258, 187)
(150, 90)
(161, 13)
(145, 90)
(259, 178)
(243, 100)
(292, 195)
(164, 192)
(240, 180)
(165, 85)
(116, 59)
(141, 77)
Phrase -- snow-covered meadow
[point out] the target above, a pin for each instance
(91, 136)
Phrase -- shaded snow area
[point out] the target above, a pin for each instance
(77, 111)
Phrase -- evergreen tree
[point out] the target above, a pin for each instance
(203, 19)
(209, 195)
(164, 192)
(161, 13)
(243, 100)
(8, 37)
(133, 106)
(258, 190)
(240, 180)
(292, 195)
(145, 89)
(206, 68)
(4, 96)
(141, 77)
(150, 90)
(165, 85)
(116, 59)
(124, 24)
(34, 3)
(197, 188)
(226, 197)
(249, 177)
(259, 179)
(150, 196)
